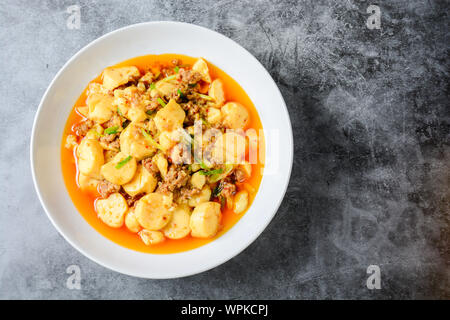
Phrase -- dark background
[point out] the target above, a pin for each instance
(370, 180)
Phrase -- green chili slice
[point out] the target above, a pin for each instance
(123, 162)
(161, 102)
(111, 130)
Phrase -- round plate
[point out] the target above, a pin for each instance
(158, 38)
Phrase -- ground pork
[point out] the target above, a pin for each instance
(115, 121)
(175, 178)
(150, 166)
(83, 127)
(131, 200)
(106, 188)
(187, 193)
(239, 175)
(228, 189)
(189, 77)
(110, 142)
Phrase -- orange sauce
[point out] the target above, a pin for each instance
(84, 201)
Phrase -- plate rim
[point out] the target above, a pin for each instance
(33, 146)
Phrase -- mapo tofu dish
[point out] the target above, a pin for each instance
(157, 150)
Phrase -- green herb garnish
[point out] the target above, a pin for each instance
(111, 130)
(161, 102)
(192, 85)
(119, 112)
(149, 112)
(182, 96)
(169, 77)
(176, 69)
(151, 140)
(152, 86)
(219, 176)
(123, 162)
(205, 97)
(211, 172)
(217, 190)
(203, 165)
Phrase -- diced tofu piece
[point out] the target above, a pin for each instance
(112, 210)
(203, 196)
(217, 93)
(133, 142)
(205, 220)
(142, 182)
(178, 226)
(95, 133)
(100, 107)
(240, 201)
(90, 158)
(167, 139)
(164, 88)
(120, 169)
(150, 237)
(170, 117)
(214, 115)
(114, 77)
(87, 183)
(230, 148)
(131, 221)
(161, 164)
(152, 211)
(129, 103)
(235, 116)
(198, 180)
(202, 67)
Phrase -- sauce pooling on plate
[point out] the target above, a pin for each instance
(163, 153)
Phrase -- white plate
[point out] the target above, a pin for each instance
(138, 40)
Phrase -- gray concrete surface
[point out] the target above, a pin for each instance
(370, 183)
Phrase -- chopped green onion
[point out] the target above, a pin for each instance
(169, 77)
(219, 176)
(203, 165)
(161, 102)
(182, 96)
(152, 86)
(192, 85)
(119, 112)
(205, 97)
(177, 69)
(149, 112)
(123, 162)
(204, 122)
(111, 130)
(217, 190)
(151, 140)
(208, 173)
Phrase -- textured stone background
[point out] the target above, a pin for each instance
(370, 183)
